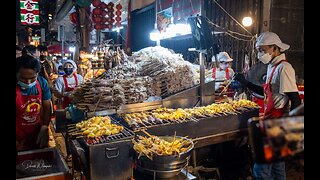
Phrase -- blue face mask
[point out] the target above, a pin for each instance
(26, 86)
(61, 73)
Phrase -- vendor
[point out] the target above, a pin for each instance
(67, 83)
(223, 72)
(33, 105)
(280, 92)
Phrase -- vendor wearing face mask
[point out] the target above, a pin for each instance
(223, 72)
(33, 105)
(280, 90)
(67, 83)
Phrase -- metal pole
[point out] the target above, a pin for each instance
(202, 76)
(62, 41)
(62, 49)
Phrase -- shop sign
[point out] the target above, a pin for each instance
(29, 12)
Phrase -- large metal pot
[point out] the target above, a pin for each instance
(165, 166)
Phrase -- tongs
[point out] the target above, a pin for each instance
(226, 87)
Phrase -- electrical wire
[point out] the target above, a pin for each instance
(228, 32)
(231, 17)
(240, 39)
(240, 34)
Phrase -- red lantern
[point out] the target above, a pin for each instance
(73, 17)
(103, 5)
(96, 11)
(96, 19)
(103, 19)
(97, 26)
(118, 13)
(96, 3)
(118, 24)
(103, 13)
(110, 14)
(118, 18)
(118, 6)
(110, 4)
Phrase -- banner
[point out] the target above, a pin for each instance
(29, 12)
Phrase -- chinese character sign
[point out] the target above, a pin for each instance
(29, 10)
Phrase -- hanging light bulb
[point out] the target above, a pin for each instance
(154, 35)
(247, 21)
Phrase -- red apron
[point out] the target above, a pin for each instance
(269, 110)
(214, 70)
(28, 109)
(67, 100)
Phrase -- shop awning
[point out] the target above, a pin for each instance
(56, 49)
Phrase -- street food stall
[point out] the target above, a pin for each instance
(153, 92)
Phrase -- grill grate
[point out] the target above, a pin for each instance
(124, 134)
(157, 122)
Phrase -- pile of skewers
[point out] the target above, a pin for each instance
(95, 127)
(166, 115)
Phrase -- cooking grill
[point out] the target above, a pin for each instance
(104, 157)
(203, 127)
(154, 122)
(122, 135)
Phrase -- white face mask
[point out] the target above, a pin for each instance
(224, 66)
(265, 58)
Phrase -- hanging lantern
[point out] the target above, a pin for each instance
(97, 27)
(96, 11)
(118, 24)
(103, 19)
(110, 5)
(118, 13)
(103, 13)
(103, 5)
(97, 20)
(73, 18)
(118, 7)
(118, 18)
(96, 3)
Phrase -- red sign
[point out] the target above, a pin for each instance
(29, 10)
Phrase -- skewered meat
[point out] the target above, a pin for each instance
(167, 115)
(153, 145)
(98, 126)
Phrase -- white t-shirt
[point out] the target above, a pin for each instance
(221, 75)
(283, 81)
(71, 82)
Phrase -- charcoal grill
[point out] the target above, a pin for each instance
(200, 127)
(106, 157)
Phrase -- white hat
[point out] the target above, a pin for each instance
(224, 57)
(270, 38)
(73, 63)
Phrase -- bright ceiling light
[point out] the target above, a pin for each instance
(247, 21)
(155, 35)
